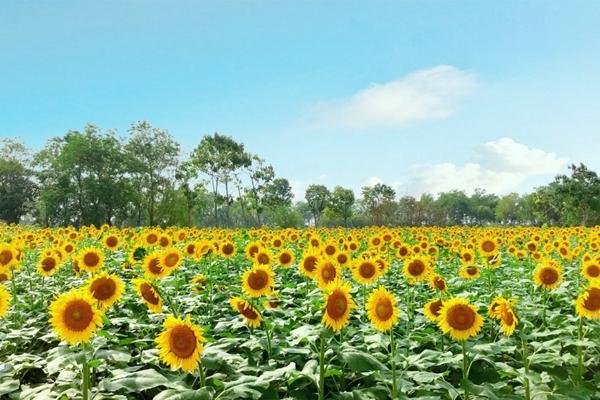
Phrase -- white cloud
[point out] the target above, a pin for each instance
(499, 166)
(425, 94)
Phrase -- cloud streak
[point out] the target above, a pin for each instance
(427, 94)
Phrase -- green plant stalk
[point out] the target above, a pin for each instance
(85, 375)
(268, 335)
(322, 368)
(393, 354)
(526, 366)
(465, 369)
(580, 350)
(201, 373)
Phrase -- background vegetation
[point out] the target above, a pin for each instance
(93, 176)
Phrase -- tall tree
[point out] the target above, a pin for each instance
(578, 196)
(341, 203)
(219, 156)
(379, 202)
(261, 175)
(317, 198)
(153, 157)
(17, 188)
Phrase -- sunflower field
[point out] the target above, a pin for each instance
(371, 313)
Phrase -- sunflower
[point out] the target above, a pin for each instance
(337, 307)
(170, 258)
(590, 270)
(252, 249)
(47, 265)
(4, 301)
(258, 281)
(432, 309)
(508, 321)
(497, 305)
(342, 258)
(416, 269)
(246, 310)
(90, 259)
(105, 289)
(548, 275)
(180, 344)
(8, 255)
(365, 271)
(437, 283)
(588, 303)
(381, 309)
(469, 272)
(263, 257)
(74, 317)
(327, 272)
(466, 257)
(111, 242)
(227, 249)
(5, 275)
(285, 258)
(198, 283)
(459, 319)
(150, 238)
(152, 266)
(308, 266)
(149, 294)
(488, 247)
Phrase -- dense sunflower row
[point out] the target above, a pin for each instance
(349, 267)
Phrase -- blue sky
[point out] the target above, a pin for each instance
(422, 95)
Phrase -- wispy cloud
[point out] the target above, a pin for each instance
(498, 166)
(426, 94)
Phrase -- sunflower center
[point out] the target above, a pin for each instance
(77, 315)
(154, 266)
(310, 263)
(467, 257)
(330, 250)
(111, 241)
(508, 318)
(461, 317)
(5, 257)
(488, 246)
(227, 249)
(148, 294)
(164, 241)
(403, 251)
(182, 341)
(285, 258)
(549, 276)
(342, 258)
(593, 270)
(337, 304)
(435, 307)
(253, 250)
(592, 302)
(103, 288)
(247, 312)
(91, 259)
(48, 264)
(416, 268)
(384, 309)
(440, 283)
(366, 270)
(258, 280)
(263, 259)
(472, 270)
(152, 238)
(328, 273)
(171, 260)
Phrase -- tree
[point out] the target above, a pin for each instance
(578, 196)
(219, 156)
(260, 175)
(317, 198)
(455, 206)
(341, 204)
(83, 178)
(17, 188)
(152, 155)
(379, 202)
(278, 193)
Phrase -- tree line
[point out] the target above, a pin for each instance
(93, 176)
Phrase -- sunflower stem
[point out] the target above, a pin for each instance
(465, 369)
(580, 350)
(201, 373)
(526, 366)
(268, 335)
(393, 360)
(322, 368)
(85, 375)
